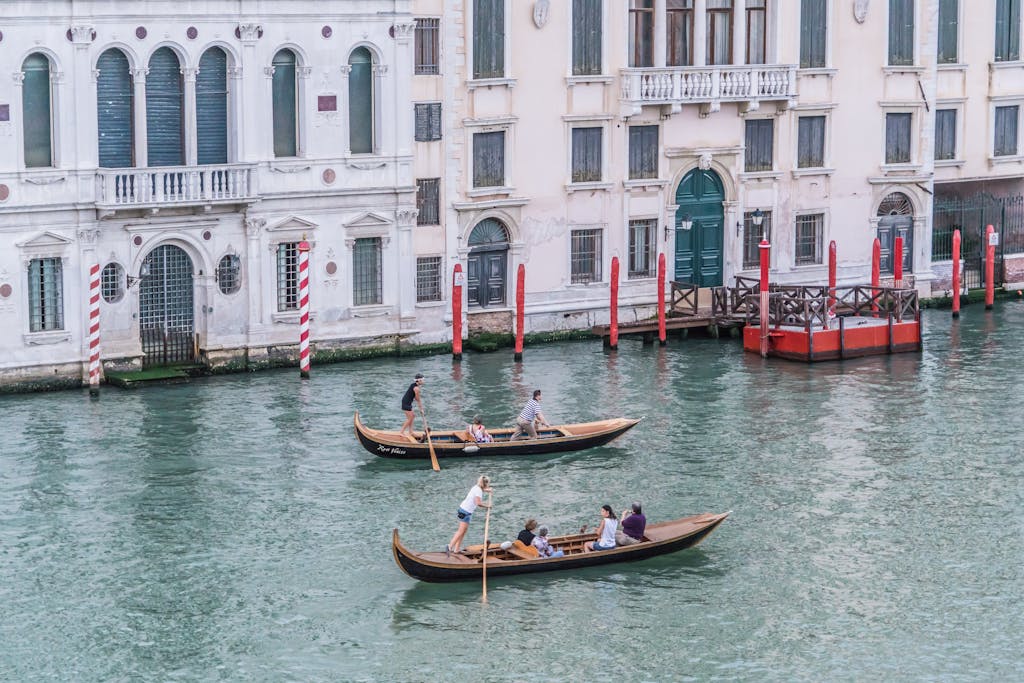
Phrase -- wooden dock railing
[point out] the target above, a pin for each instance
(684, 298)
(808, 306)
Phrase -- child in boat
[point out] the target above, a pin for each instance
(544, 549)
(479, 432)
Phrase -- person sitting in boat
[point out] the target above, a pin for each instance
(544, 549)
(526, 535)
(479, 432)
(529, 418)
(632, 528)
(605, 531)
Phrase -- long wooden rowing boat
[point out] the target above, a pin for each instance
(659, 539)
(458, 443)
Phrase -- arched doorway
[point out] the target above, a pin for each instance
(487, 267)
(896, 219)
(699, 250)
(166, 312)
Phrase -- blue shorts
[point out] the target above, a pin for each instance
(464, 516)
(598, 546)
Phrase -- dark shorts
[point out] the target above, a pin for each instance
(407, 406)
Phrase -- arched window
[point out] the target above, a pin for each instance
(285, 104)
(165, 120)
(212, 107)
(114, 110)
(896, 204)
(487, 264)
(360, 102)
(36, 111)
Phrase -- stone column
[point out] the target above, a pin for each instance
(304, 95)
(191, 128)
(264, 122)
(139, 117)
(700, 33)
(403, 127)
(660, 28)
(346, 69)
(256, 122)
(739, 32)
(406, 266)
(82, 109)
(254, 278)
(382, 139)
(236, 110)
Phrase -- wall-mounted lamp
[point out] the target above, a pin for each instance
(686, 223)
(757, 218)
(143, 274)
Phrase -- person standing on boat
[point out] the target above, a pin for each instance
(605, 531)
(632, 528)
(529, 418)
(473, 500)
(411, 394)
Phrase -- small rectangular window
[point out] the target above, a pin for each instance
(901, 32)
(810, 151)
(679, 29)
(585, 256)
(897, 138)
(366, 272)
(428, 278)
(288, 276)
(586, 155)
(428, 121)
(427, 48)
(586, 37)
(949, 31)
(760, 142)
(428, 201)
(489, 39)
(813, 33)
(752, 236)
(1007, 119)
(489, 159)
(642, 247)
(45, 295)
(641, 33)
(945, 134)
(809, 230)
(643, 152)
(1007, 30)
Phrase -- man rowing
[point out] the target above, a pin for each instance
(529, 418)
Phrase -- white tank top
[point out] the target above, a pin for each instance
(469, 504)
(608, 531)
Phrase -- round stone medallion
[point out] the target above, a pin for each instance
(329, 175)
(191, 32)
(140, 32)
(331, 267)
(5, 290)
(5, 192)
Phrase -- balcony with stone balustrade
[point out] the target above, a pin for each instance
(707, 86)
(153, 189)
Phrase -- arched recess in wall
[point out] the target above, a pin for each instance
(896, 219)
(487, 264)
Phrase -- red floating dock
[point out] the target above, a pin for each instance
(849, 337)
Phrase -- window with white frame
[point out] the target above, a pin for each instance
(752, 236)
(760, 145)
(810, 230)
(587, 37)
(428, 278)
(489, 159)
(1007, 30)
(488, 38)
(949, 31)
(901, 32)
(428, 201)
(288, 276)
(643, 152)
(284, 104)
(45, 295)
(898, 138)
(112, 283)
(945, 134)
(810, 147)
(1007, 124)
(587, 162)
(37, 116)
(585, 256)
(360, 102)
(427, 121)
(427, 48)
(813, 33)
(642, 247)
(366, 272)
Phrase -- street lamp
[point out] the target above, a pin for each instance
(143, 274)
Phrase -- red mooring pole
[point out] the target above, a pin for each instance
(832, 274)
(956, 273)
(661, 299)
(94, 330)
(613, 331)
(897, 263)
(304, 308)
(520, 310)
(764, 249)
(457, 312)
(876, 274)
(990, 266)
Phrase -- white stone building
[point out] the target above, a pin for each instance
(186, 147)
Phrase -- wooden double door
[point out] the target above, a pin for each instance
(700, 250)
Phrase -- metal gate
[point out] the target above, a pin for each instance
(971, 215)
(166, 313)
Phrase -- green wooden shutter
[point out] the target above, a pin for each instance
(813, 33)
(164, 110)
(948, 31)
(360, 102)
(1007, 30)
(901, 32)
(489, 159)
(489, 39)
(114, 110)
(212, 107)
(284, 105)
(35, 103)
(586, 37)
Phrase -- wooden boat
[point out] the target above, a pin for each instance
(458, 443)
(659, 539)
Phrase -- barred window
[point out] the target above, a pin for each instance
(642, 245)
(428, 201)
(288, 276)
(427, 47)
(366, 272)
(229, 274)
(428, 278)
(585, 256)
(111, 283)
(809, 230)
(45, 294)
(586, 155)
(752, 236)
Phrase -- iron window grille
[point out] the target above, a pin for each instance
(585, 256)
(428, 201)
(809, 230)
(111, 279)
(229, 274)
(428, 278)
(288, 276)
(642, 245)
(752, 236)
(46, 295)
(366, 272)
(427, 50)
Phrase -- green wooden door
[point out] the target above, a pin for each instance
(699, 251)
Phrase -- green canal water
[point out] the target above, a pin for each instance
(233, 528)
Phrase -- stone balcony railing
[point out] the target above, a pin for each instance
(709, 85)
(153, 188)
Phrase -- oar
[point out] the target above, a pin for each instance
(426, 430)
(487, 527)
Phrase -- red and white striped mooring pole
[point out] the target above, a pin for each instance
(304, 308)
(94, 329)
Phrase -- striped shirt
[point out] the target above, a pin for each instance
(529, 413)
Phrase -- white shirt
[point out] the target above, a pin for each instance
(608, 532)
(469, 505)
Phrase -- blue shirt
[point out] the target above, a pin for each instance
(529, 413)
